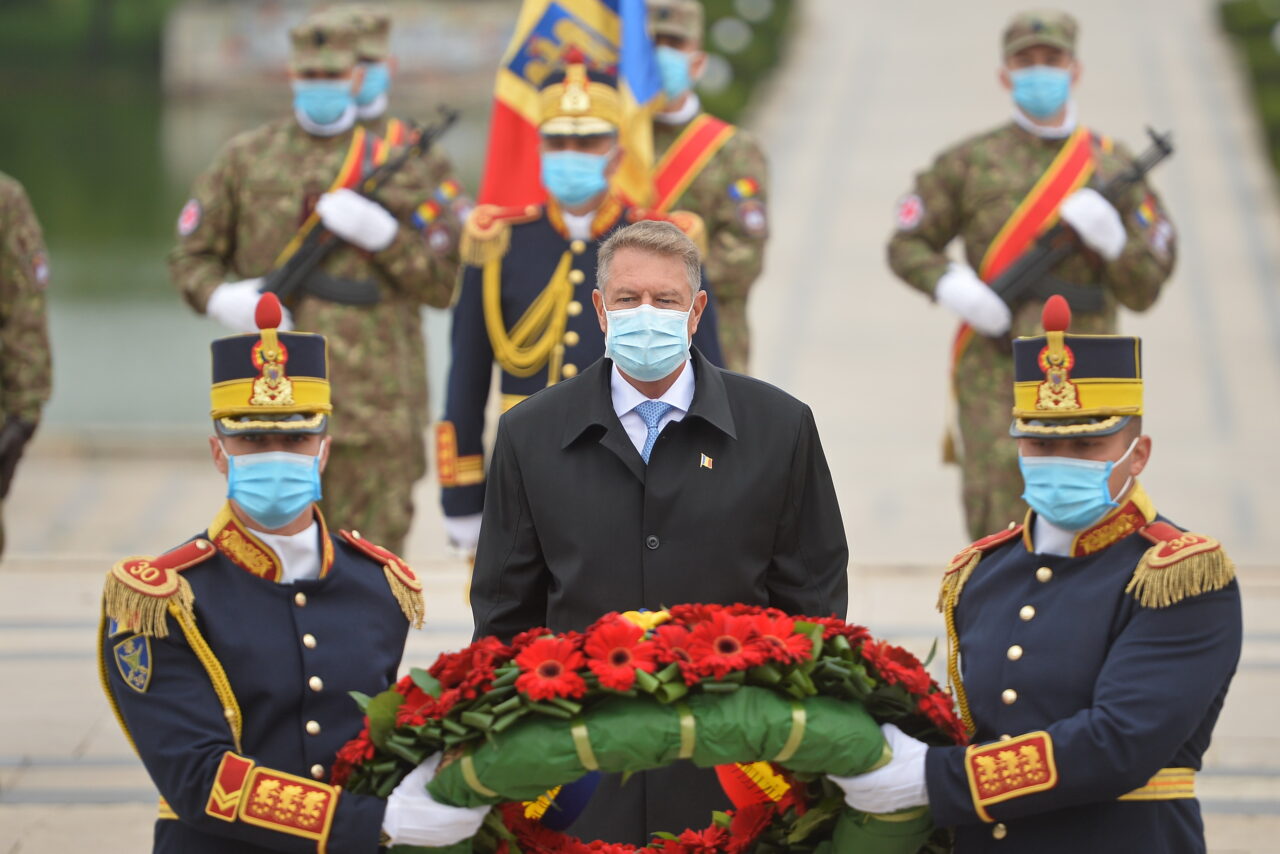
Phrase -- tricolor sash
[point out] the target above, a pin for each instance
(1037, 212)
(363, 146)
(687, 157)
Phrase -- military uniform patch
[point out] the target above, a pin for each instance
(133, 659)
(910, 212)
(40, 269)
(439, 240)
(189, 219)
(753, 217)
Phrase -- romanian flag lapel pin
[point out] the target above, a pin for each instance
(706, 462)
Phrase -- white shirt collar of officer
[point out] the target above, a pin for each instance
(299, 553)
(578, 225)
(1049, 539)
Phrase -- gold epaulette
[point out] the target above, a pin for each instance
(486, 235)
(405, 584)
(1178, 565)
(139, 590)
(687, 221)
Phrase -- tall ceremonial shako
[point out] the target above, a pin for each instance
(1074, 385)
(579, 101)
(270, 381)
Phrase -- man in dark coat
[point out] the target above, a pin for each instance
(651, 479)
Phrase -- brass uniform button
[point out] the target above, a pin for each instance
(1043, 574)
(999, 831)
(355, 535)
(574, 308)
(1008, 696)
(576, 276)
(1006, 737)
(317, 771)
(315, 683)
(313, 727)
(1012, 525)
(571, 338)
(1015, 652)
(1027, 613)
(300, 599)
(569, 370)
(202, 544)
(309, 641)
(577, 247)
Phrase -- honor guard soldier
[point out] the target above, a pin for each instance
(1091, 646)
(525, 299)
(996, 192)
(245, 219)
(229, 659)
(25, 365)
(712, 168)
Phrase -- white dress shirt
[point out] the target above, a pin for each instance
(299, 553)
(1048, 539)
(627, 397)
(578, 225)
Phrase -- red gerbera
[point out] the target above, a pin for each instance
(550, 669)
(897, 666)
(671, 645)
(780, 641)
(723, 644)
(940, 711)
(615, 650)
(354, 752)
(709, 841)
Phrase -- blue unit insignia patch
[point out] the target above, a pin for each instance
(133, 658)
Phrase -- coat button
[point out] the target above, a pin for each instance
(569, 371)
(309, 641)
(999, 831)
(652, 541)
(574, 308)
(1015, 652)
(315, 683)
(300, 599)
(1027, 613)
(1008, 696)
(317, 771)
(576, 276)
(313, 727)
(1043, 574)
(571, 339)
(577, 247)
(202, 544)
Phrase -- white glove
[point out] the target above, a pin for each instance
(357, 220)
(963, 293)
(1096, 221)
(233, 304)
(898, 785)
(463, 532)
(413, 817)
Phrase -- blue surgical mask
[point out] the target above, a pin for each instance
(322, 101)
(647, 343)
(673, 66)
(274, 487)
(1070, 493)
(573, 177)
(377, 80)
(1041, 90)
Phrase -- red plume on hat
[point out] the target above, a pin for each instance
(268, 314)
(1056, 316)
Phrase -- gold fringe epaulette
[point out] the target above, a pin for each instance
(1178, 565)
(404, 582)
(687, 221)
(139, 590)
(486, 235)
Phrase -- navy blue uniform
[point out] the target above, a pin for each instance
(1100, 688)
(538, 245)
(240, 765)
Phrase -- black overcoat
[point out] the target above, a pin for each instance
(736, 504)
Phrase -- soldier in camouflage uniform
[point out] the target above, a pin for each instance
(711, 168)
(972, 191)
(261, 189)
(25, 365)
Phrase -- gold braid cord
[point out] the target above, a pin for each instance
(217, 676)
(948, 597)
(105, 681)
(537, 336)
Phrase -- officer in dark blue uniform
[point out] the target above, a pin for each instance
(525, 299)
(228, 660)
(1095, 642)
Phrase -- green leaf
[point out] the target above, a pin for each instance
(426, 682)
(671, 691)
(362, 700)
(479, 720)
(506, 675)
(382, 715)
(720, 687)
(646, 682)
(933, 650)
(507, 720)
(765, 674)
(508, 705)
(815, 819)
(668, 673)
(551, 711)
(568, 705)
(721, 819)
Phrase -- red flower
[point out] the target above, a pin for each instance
(780, 641)
(897, 666)
(940, 711)
(747, 824)
(709, 841)
(550, 669)
(351, 754)
(615, 650)
(522, 640)
(831, 627)
(471, 669)
(723, 644)
(739, 610)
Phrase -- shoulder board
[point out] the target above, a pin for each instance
(404, 582)
(687, 221)
(962, 564)
(139, 590)
(1178, 564)
(487, 231)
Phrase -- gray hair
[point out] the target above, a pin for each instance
(656, 238)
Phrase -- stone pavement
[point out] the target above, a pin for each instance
(871, 91)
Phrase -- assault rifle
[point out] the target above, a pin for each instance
(292, 278)
(1021, 278)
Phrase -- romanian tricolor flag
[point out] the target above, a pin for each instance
(612, 35)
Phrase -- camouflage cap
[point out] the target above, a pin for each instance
(322, 43)
(1041, 26)
(372, 26)
(680, 18)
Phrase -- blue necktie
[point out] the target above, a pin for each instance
(652, 411)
